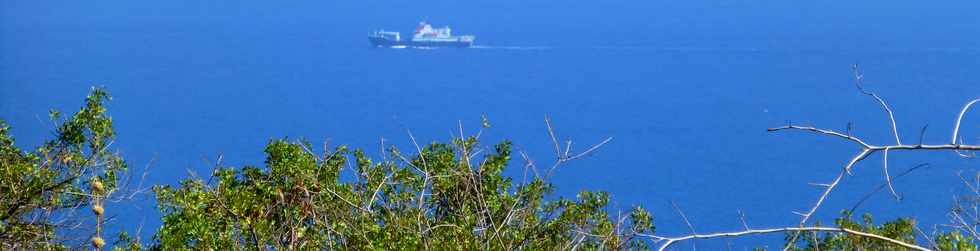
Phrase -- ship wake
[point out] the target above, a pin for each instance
(522, 48)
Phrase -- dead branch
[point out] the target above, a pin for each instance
(959, 118)
(882, 186)
(868, 149)
(566, 156)
(823, 131)
(858, 77)
(686, 221)
(668, 241)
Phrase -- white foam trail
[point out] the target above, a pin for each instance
(511, 47)
(724, 49)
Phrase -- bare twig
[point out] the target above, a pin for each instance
(882, 186)
(668, 241)
(922, 134)
(425, 181)
(924, 235)
(590, 150)
(686, 221)
(858, 77)
(869, 149)
(888, 177)
(563, 157)
(864, 154)
(554, 140)
(823, 131)
(345, 200)
(959, 118)
(741, 217)
(438, 226)
(376, 191)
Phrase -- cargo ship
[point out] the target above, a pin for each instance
(424, 37)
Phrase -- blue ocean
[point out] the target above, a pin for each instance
(686, 90)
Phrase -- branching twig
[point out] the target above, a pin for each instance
(858, 77)
(869, 149)
(823, 131)
(959, 118)
(741, 217)
(686, 221)
(888, 177)
(882, 186)
(668, 241)
(563, 157)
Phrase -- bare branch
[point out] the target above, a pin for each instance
(554, 140)
(869, 149)
(955, 147)
(376, 191)
(858, 77)
(566, 156)
(964, 225)
(882, 186)
(345, 200)
(672, 240)
(806, 216)
(462, 143)
(959, 118)
(888, 178)
(590, 150)
(823, 131)
(438, 226)
(568, 149)
(741, 217)
(417, 148)
(530, 164)
(425, 181)
(818, 184)
(922, 134)
(924, 235)
(686, 221)
(972, 188)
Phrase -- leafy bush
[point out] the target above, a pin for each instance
(432, 200)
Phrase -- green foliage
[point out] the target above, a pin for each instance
(126, 242)
(901, 229)
(39, 187)
(434, 200)
(954, 241)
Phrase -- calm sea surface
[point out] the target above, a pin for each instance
(686, 92)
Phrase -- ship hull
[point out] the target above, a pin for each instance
(382, 42)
